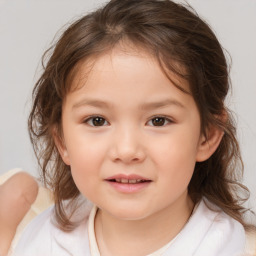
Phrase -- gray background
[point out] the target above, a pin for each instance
(27, 28)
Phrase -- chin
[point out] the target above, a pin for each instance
(128, 213)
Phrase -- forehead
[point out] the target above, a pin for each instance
(126, 80)
(121, 57)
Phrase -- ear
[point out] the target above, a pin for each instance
(60, 144)
(209, 143)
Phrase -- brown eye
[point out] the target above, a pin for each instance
(158, 121)
(96, 121)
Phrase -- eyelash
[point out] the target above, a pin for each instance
(167, 120)
(90, 119)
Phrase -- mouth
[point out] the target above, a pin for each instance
(128, 181)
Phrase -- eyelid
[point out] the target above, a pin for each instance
(88, 118)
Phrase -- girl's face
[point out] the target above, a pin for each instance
(130, 136)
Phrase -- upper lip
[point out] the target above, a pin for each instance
(127, 177)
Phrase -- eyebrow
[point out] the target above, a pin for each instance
(162, 103)
(91, 102)
(144, 106)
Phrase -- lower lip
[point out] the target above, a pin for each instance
(128, 187)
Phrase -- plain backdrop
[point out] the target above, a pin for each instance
(27, 28)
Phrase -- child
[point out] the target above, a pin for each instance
(129, 114)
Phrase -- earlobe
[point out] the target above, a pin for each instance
(60, 144)
(64, 156)
(209, 143)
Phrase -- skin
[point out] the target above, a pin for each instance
(128, 90)
(17, 194)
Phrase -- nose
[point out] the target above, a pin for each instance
(127, 146)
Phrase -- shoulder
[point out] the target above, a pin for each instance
(222, 222)
(38, 230)
(209, 232)
(41, 237)
(224, 234)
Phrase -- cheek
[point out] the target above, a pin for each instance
(86, 160)
(84, 150)
(175, 157)
(85, 172)
(179, 147)
(177, 166)
(86, 156)
(175, 171)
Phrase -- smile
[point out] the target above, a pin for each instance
(128, 183)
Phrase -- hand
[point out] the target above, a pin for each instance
(17, 195)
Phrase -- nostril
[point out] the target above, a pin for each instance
(127, 149)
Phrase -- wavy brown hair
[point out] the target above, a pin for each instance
(175, 36)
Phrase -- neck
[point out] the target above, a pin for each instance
(143, 236)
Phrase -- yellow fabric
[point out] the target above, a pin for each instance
(4, 177)
(251, 243)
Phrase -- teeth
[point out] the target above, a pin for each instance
(126, 181)
(132, 181)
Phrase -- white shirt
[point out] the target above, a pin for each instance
(207, 233)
